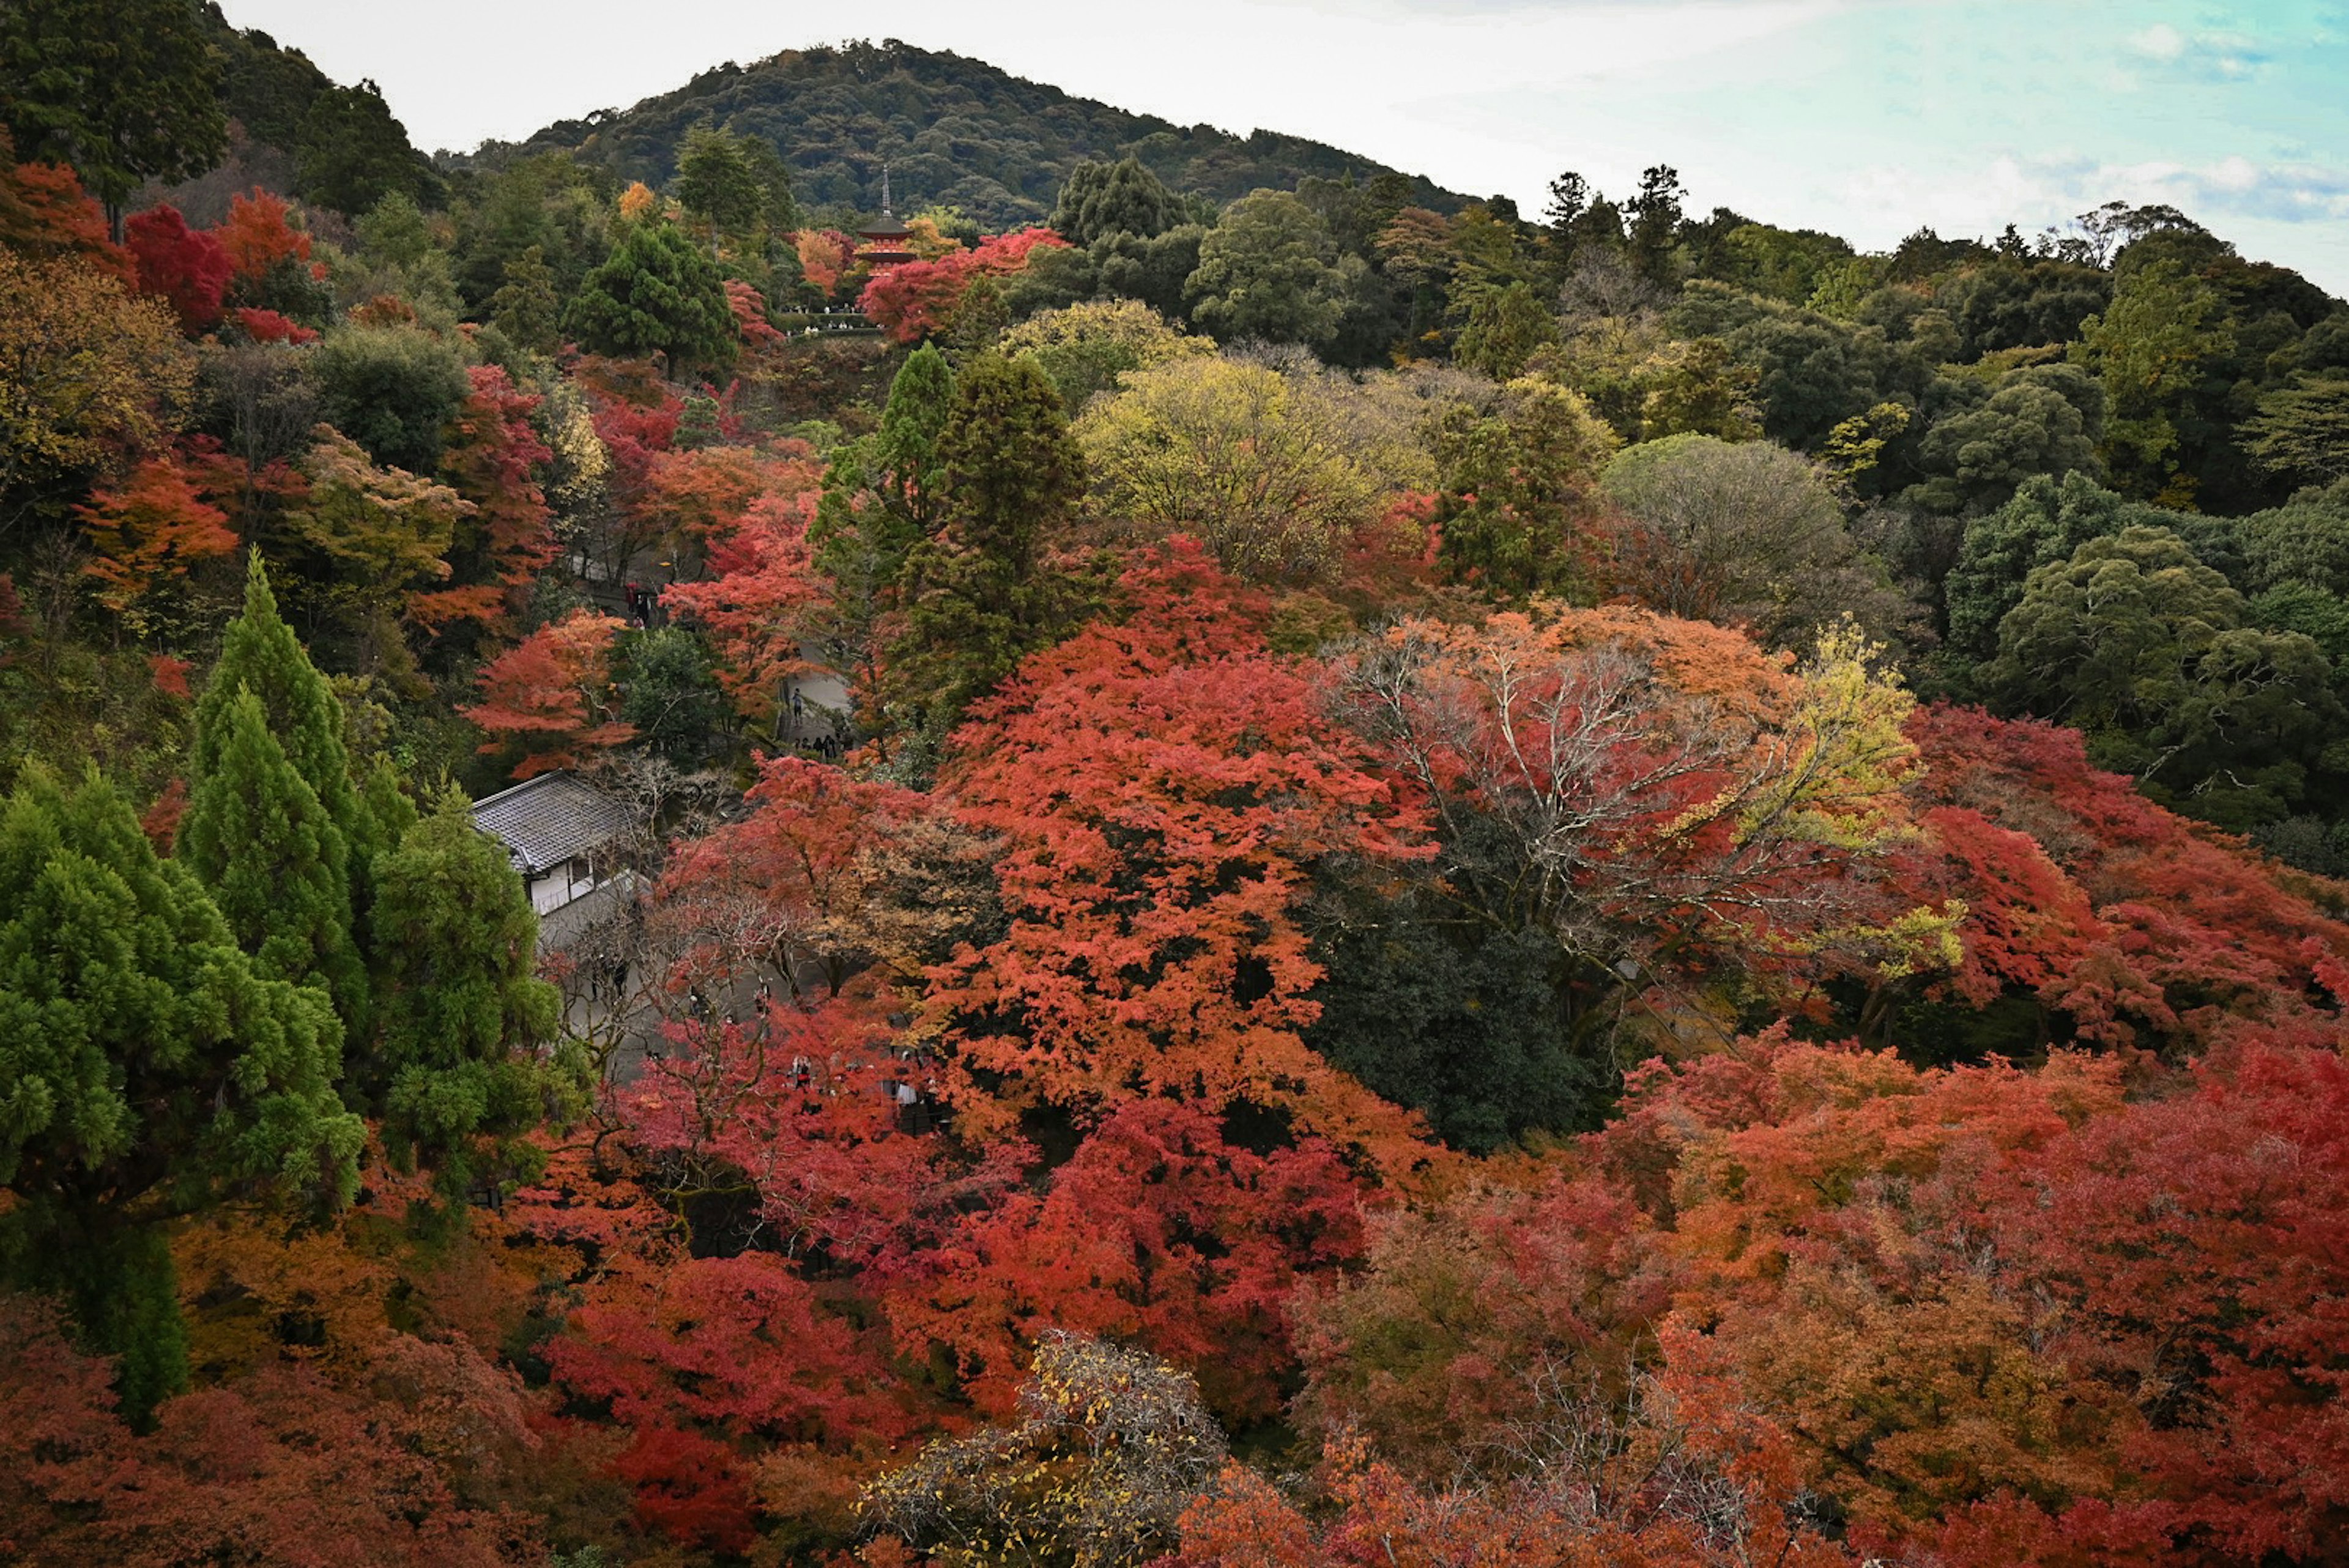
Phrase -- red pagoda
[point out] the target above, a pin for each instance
(885, 242)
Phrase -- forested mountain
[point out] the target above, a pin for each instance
(1274, 871)
(955, 132)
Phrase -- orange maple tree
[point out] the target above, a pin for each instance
(150, 530)
(551, 695)
(1159, 788)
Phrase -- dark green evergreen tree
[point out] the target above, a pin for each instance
(304, 719)
(1120, 198)
(456, 1073)
(124, 90)
(911, 476)
(657, 293)
(277, 866)
(982, 595)
(351, 153)
(147, 1069)
(525, 307)
(260, 653)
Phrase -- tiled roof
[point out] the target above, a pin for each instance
(544, 822)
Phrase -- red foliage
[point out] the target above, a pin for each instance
(756, 604)
(2144, 927)
(826, 256)
(161, 821)
(739, 1345)
(750, 307)
(2196, 1253)
(1690, 1477)
(801, 1106)
(186, 266)
(551, 695)
(689, 1488)
(1157, 1232)
(170, 674)
(490, 456)
(634, 436)
(705, 492)
(778, 889)
(271, 1470)
(1158, 787)
(269, 327)
(917, 299)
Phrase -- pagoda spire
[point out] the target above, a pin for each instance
(886, 211)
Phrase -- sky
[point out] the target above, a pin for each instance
(1869, 118)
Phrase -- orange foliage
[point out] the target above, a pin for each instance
(150, 530)
(1159, 788)
(257, 235)
(551, 695)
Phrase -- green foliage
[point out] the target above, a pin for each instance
(2155, 347)
(657, 293)
(124, 90)
(392, 389)
(1504, 326)
(905, 449)
(1269, 271)
(352, 154)
(260, 654)
(2041, 420)
(1515, 483)
(2136, 643)
(2302, 431)
(525, 307)
(455, 954)
(1460, 1022)
(1086, 348)
(1101, 200)
(1813, 371)
(983, 596)
(276, 864)
(671, 696)
(146, 1069)
(736, 184)
(955, 132)
(2046, 521)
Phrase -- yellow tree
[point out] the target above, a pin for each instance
(87, 372)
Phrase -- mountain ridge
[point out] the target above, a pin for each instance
(953, 130)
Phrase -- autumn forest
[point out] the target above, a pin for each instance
(1172, 851)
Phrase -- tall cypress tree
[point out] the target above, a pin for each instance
(146, 1069)
(278, 867)
(463, 1010)
(261, 654)
(982, 596)
(905, 448)
(300, 715)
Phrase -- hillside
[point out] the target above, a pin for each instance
(953, 131)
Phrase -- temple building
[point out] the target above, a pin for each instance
(884, 241)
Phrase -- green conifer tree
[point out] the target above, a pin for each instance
(463, 1011)
(300, 716)
(147, 1069)
(981, 597)
(278, 867)
(657, 293)
(259, 653)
